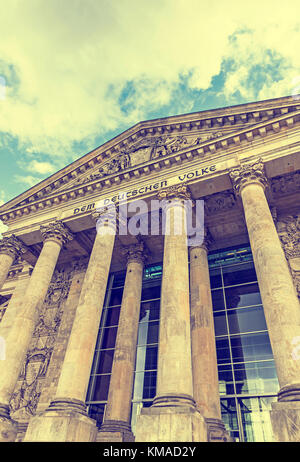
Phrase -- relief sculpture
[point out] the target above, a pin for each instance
(28, 389)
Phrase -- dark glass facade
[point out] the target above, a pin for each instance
(247, 376)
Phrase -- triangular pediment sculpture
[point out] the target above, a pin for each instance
(146, 149)
(158, 139)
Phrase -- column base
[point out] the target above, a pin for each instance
(289, 393)
(285, 419)
(170, 424)
(174, 400)
(8, 427)
(115, 431)
(65, 420)
(216, 431)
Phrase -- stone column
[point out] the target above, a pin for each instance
(116, 426)
(10, 248)
(204, 355)
(173, 415)
(18, 338)
(66, 418)
(280, 302)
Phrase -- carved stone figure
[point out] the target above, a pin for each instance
(288, 228)
(167, 145)
(26, 395)
(286, 184)
(220, 201)
(289, 233)
(121, 162)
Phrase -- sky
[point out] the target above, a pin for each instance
(75, 73)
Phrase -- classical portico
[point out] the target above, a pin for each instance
(102, 216)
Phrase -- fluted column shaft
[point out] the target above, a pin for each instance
(280, 302)
(117, 415)
(204, 356)
(174, 373)
(73, 382)
(17, 339)
(10, 248)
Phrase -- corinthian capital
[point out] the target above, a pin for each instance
(136, 252)
(180, 192)
(12, 246)
(56, 231)
(108, 216)
(248, 174)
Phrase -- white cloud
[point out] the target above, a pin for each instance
(36, 166)
(27, 180)
(66, 66)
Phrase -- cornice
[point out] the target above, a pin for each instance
(262, 129)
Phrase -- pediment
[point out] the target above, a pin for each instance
(144, 150)
(159, 139)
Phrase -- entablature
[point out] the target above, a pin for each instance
(207, 151)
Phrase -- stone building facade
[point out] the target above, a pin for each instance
(114, 326)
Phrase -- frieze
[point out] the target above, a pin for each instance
(200, 143)
(286, 184)
(26, 395)
(147, 149)
(148, 188)
(219, 202)
(288, 229)
(79, 265)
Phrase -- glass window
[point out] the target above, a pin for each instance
(116, 297)
(104, 363)
(149, 293)
(215, 278)
(144, 385)
(220, 323)
(246, 295)
(239, 274)
(152, 272)
(108, 337)
(217, 300)
(229, 417)
(150, 310)
(101, 386)
(96, 412)
(246, 320)
(256, 422)
(119, 279)
(146, 357)
(251, 347)
(256, 377)
(148, 332)
(223, 350)
(149, 385)
(226, 383)
(110, 316)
